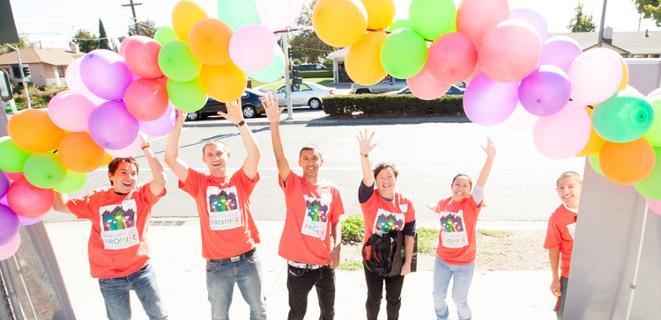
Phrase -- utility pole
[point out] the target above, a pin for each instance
(28, 102)
(285, 47)
(600, 41)
(135, 19)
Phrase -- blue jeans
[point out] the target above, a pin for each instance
(116, 295)
(462, 274)
(247, 274)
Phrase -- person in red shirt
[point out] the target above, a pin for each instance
(560, 235)
(117, 250)
(455, 255)
(229, 234)
(385, 212)
(311, 238)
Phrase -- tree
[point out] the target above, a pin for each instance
(86, 40)
(145, 28)
(22, 43)
(306, 45)
(104, 42)
(581, 22)
(650, 9)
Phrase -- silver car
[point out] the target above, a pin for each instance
(306, 93)
(388, 84)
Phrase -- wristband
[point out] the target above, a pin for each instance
(240, 123)
(145, 146)
(364, 155)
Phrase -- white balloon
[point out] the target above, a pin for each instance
(278, 14)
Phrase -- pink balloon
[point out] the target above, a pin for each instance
(476, 17)
(13, 176)
(75, 83)
(146, 99)
(425, 86)
(9, 249)
(252, 48)
(531, 17)
(510, 51)
(488, 102)
(29, 201)
(654, 206)
(452, 58)
(563, 134)
(161, 126)
(70, 111)
(131, 150)
(141, 56)
(595, 76)
(560, 51)
(278, 14)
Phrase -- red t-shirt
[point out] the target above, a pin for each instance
(311, 212)
(456, 240)
(560, 234)
(117, 246)
(223, 206)
(382, 216)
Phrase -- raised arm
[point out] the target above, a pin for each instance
(366, 146)
(157, 183)
(270, 103)
(490, 150)
(60, 203)
(178, 166)
(253, 154)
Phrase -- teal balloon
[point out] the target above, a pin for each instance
(187, 96)
(433, 18)
(274, 72)
(72, 182)
(650, 188)
(398, 24)
(164, 35)
(44, 170)
(177, 62)
(12, 158)
(622, 118)
(238, 13)
(404, 53)
(594, 163)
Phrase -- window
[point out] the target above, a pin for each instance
(303, 87)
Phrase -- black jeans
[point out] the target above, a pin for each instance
(299, 284)
(394, 286)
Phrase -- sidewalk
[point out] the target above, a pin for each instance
(176, 257)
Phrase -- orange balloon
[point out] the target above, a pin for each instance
(625, 74)
(339, 23)
(595, 143)
(33, 130)
(209, 41)
(184, 15)
(80, 153)
(363, 62)
(223, 83)
(627, 163)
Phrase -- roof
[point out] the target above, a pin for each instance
(54, 56)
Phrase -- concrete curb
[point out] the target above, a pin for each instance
(327, 121)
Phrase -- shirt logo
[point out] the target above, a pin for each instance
(118, 225)
(315, 222)
(223, 207)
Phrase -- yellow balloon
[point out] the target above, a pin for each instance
(363, 61)
(184, 15)
(106, 159)
(223, 83)
(339, 23)
(625, 75)
(380, 13)
(595, 143)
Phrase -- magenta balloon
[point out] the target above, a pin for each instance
(563, 134)
(29, 201)
(452, 58)
(9, 249)
(654, 205)
(75, 83)
(8, 224)
(112, 126)
(105, 74)
(70, 111)
(426, 86)
(488, 102)
(252, 48)
(533, 18)
(4, 184)
(545, 91)
(132, 150)
(560, 51)
(161, 126)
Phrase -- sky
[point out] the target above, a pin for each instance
(54, 22)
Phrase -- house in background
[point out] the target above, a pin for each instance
(47, 66)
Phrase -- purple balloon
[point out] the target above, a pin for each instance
(24, 221)
(560, 51)
(488, 102)
(105, 74)
(533, 18)
(112, 126)
(545, 91)
(160, 126)
(8, 224)
(4, 184)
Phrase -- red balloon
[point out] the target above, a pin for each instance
(13, 176)
(29, 201)
(146, 99)
(452, 58)
(476, 17)
(510, 52)
(141, 56)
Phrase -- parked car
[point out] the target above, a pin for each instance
(306, 93)
(250, 103)
(310, 67)
(455, 89)
(388, 84)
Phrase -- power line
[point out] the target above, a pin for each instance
(133, 5)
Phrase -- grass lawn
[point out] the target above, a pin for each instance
(277, 84)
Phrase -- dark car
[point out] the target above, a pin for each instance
(310, 67)
(251, 106)
(455, 89)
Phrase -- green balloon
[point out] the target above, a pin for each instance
(187, 96)
(622, 118)
(72, 182)
(594, 163)
(44, 170)
(650, 188)
(273, 72)
(653, 135)
(237, 14)
(433, 18)
(398, 24)
(177, 62)
(12, 157)
(164, 35)
(404, 53)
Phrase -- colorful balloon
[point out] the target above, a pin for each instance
(452, 58)
(274, 71)
(653, 135)
(72, 182)
(80, 153)
(105, 74)
(75, 83)
(278, 14)
(623, 118)
(132, 150)
(187, 96)
(627, 163)
(398, 24)
(13, 158)
(595, 143)
(223, 83)
(510, 51)
(177, 62)
(238, 14)
(650, 187)
(327, 14)
(545, 91)
(164, 35)
(595, 75)
(10, 248)
(33, 130)
(70, 111)
(488, 102)
(532, 18)
(363, 60)
(8, 224)
(161, 126)
(380, 13)
(560, 51)
(594, 163)
(29, 201)
(654, 206)
(184, 15)
(252, 48)
(404, 53)
(426, 86)
(146, 99)
(564, 133)
(112, 126)
(476, 17)
(4, 184)
(433, 18)
(209, 42)
(44, 170)
(141, 56)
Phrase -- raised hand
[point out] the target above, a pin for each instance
(364, 142)
(181, 118)
(490, 149)
(144, 144)
(234, 113)
(270, 103)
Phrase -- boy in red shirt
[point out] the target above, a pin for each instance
(311, 238)
(229, 235)
(560, 234)
(117, 249)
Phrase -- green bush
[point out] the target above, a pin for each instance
(392, 105)
(427, 240)
(328, 63)
(316, 74)
(352, 229)
(39, 97)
